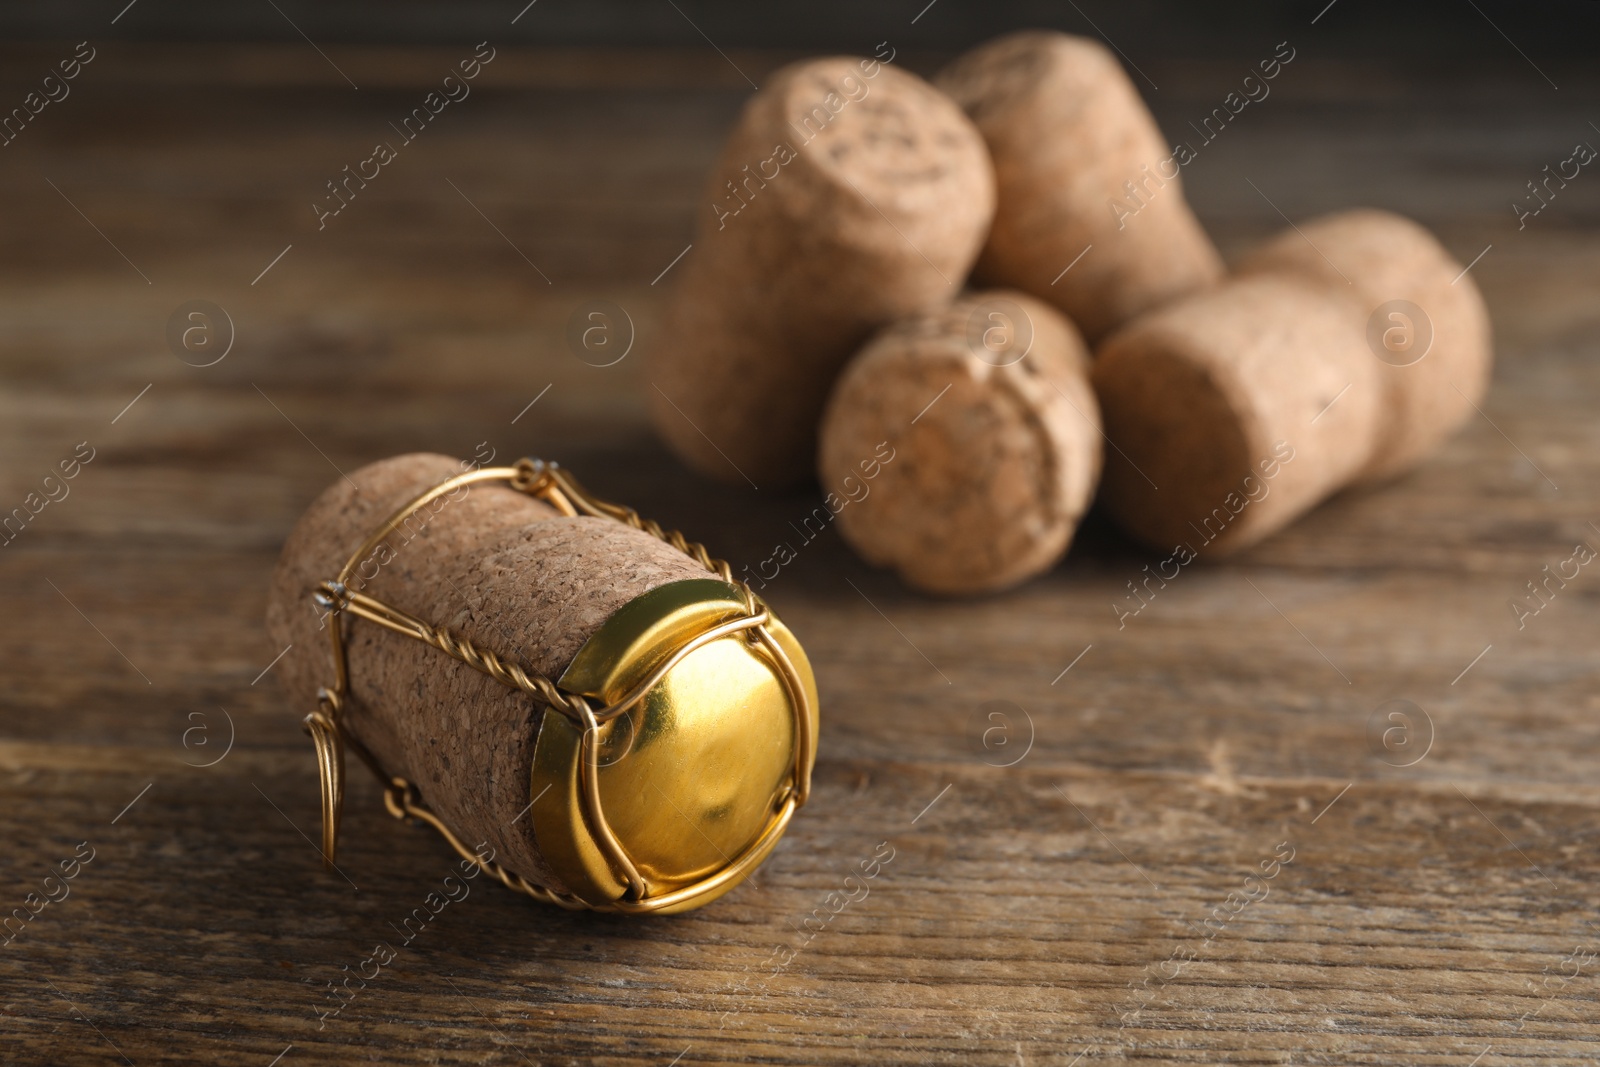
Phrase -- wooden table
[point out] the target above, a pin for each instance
(1088, 902)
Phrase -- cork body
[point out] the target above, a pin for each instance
(493, 565)
(1433, 357)
(1079, 162)
(850, 194)
(1236, 410)
(964, 445)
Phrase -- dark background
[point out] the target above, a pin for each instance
(1459, 33)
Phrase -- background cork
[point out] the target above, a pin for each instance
(1382, 259)
(1235, 410)
(494, 565)
(841, 202)
(995, 438)
(1066, 130)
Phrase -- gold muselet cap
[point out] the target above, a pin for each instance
(705, 753)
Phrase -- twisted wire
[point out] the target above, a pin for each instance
(511, 675)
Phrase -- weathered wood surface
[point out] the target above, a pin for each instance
(1053, 911)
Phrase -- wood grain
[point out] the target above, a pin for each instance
(1052, 911)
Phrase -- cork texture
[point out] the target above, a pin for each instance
(1235, 410)
(986, 411)
(1067, 131)
(495, 566)
(841, 202)
(1381, 257)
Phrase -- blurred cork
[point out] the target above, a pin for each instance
(1090, 210)
(1343, 351)
(493, 565)
(1235, 410)
(1425, 322)
(850, 194)
(962, 447)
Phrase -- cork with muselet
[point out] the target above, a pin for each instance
(491, 564)
(1235, 410)
(849, 194)
(1068, 133)
(995, 439)
(1434, 358)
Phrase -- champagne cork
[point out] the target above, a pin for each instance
(1090, 212)
(493, 565)
(961, 447)
(1341, 352)
(1426, 322)
(1234, 411)
(850, 194)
